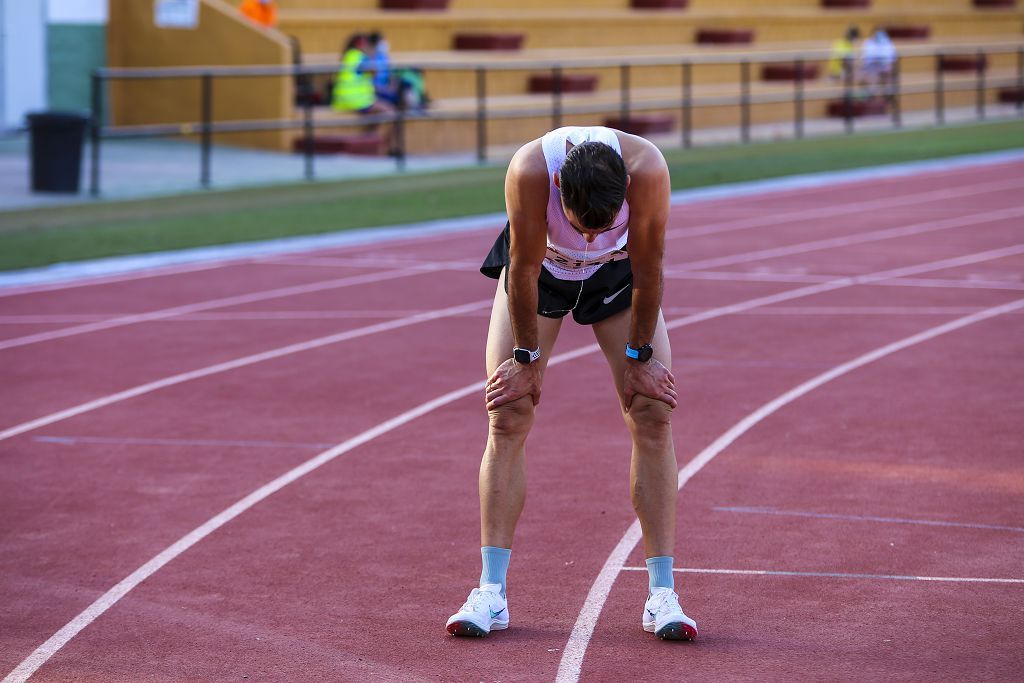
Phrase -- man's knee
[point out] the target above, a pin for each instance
(512, 419)
(649, 417)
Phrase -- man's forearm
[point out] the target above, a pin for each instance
(522, 305)
(646, 304)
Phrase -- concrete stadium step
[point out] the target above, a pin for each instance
(322, 31)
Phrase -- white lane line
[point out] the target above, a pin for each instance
(132, 441)
(261, 316)
(845, 310)
(45, 651)
(850, 240)
(87, 280)
(863, 518)
(372, 262)
(843, 209)
(796, 278)
(238, 363)
(939, 283)
(836, 575)
(237, 300)
(576, 647)
(226, 315)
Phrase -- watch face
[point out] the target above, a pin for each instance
(521, 356)
(644, 353)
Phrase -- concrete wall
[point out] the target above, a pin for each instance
(22, 60)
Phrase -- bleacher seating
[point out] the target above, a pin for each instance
(462, 34)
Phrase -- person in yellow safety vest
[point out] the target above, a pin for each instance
(843, 55)
(354, 91)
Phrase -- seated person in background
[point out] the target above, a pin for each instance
(877, 56)
(403, 88)
(261, 12)
(353, 89)
(843, 56)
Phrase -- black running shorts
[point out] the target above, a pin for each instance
(607, 292)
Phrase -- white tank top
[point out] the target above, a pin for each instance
(569, 257)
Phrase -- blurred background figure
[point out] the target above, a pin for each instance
(843, 55)
(877, 57)
(379, 61)
(261, 12)
(354, 89)
(403, 87)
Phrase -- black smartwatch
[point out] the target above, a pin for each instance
(525, 356)
(643, 354)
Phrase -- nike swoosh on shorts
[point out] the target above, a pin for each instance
(608, 299)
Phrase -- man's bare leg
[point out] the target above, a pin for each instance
(653, 474)
(653, 479)
(503, 467)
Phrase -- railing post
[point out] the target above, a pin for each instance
(979, 85)
(745, 101)
(206, 118)
(687, 104)
(399, 127)
(308, 142)
(481, 115)
(556, 96)
(940, 95)
(897, 114)
(96, 124)
(848, 96)
(1020, 82)
(798, 99)
(624, 84)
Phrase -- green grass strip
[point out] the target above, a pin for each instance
(52, 235)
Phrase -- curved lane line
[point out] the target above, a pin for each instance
(847, 240)
(45, 651)
(236, 300)
(837, 575)
(241, 362)
(576, 647)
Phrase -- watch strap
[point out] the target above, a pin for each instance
(518, 353)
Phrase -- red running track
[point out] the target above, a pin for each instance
(137, 411)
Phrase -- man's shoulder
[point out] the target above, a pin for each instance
(528, 162)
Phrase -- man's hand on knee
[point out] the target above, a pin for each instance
(651, 379)
(512, 381)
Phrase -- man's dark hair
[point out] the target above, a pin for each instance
(592, 181)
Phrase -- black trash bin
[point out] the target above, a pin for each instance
(56, 150)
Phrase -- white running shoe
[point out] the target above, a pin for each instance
(485, 611)
(664, 617)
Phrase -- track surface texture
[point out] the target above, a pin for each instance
(266, 470)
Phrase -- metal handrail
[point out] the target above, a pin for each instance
(559, 105)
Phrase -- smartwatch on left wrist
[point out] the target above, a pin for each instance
(525, 356)
(643, 354)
